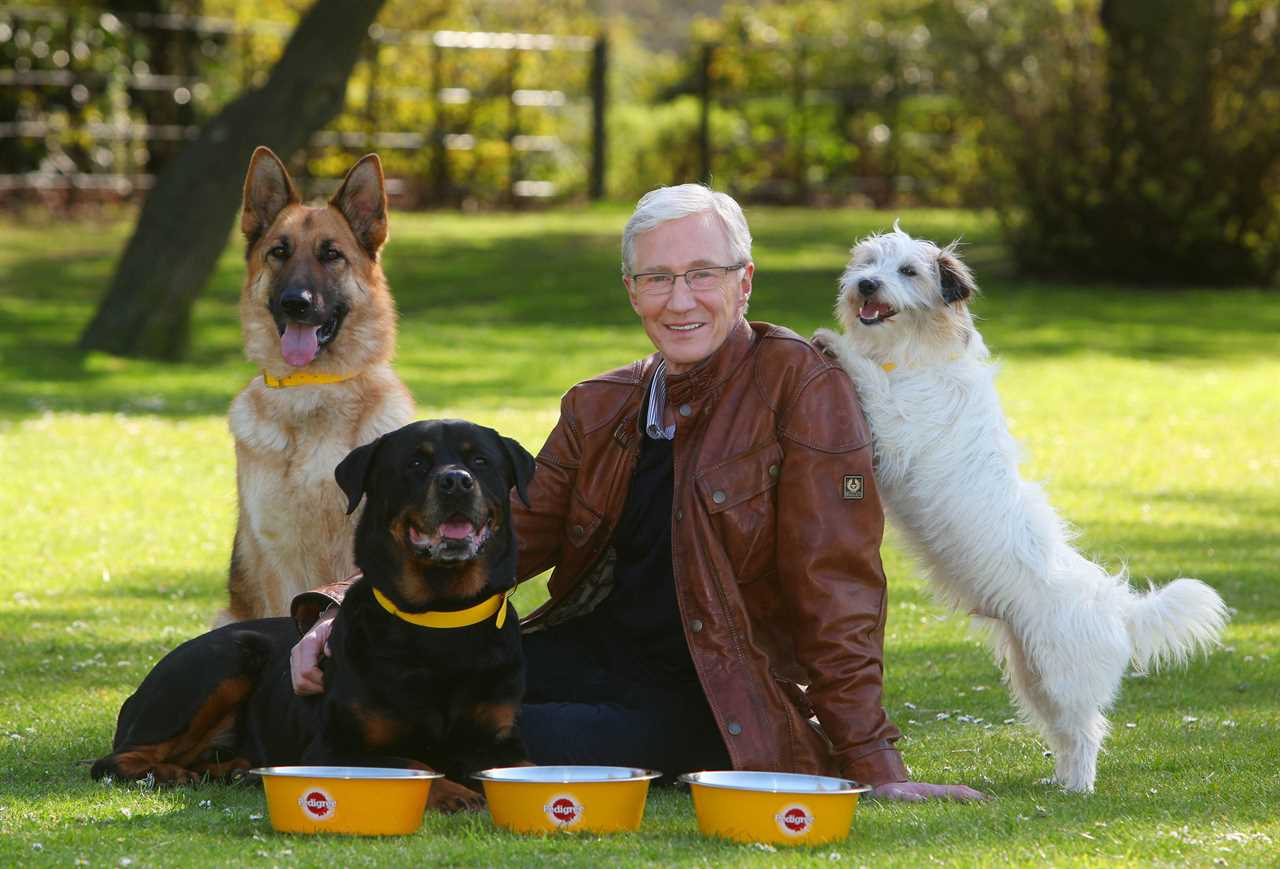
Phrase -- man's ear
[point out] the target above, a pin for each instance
(957, 281)
(352, 473)
(362, 199)
(744, 283)
(522, 466)
(267, 190)
(631, 295)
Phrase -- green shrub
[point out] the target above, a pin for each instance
(1132, 140)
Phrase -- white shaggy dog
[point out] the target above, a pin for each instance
(1063, 628)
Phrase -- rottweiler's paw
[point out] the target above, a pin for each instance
(172, 774)
(449, 797)
(225, 771)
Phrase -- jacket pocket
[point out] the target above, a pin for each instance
(739, 496)
(581, 523)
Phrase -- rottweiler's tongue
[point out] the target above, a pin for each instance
(456, 529)
(299, 344)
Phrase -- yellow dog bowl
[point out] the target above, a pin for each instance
(775, 807)
(366, 801)
(546, 799)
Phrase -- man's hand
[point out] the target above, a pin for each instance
(918, 792)
(304, 660)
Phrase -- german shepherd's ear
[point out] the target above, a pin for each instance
(267, 190)
(362, 199)
(522, 467)
(352, 473)
(957, 281)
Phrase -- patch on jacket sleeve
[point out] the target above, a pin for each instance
(853, 488)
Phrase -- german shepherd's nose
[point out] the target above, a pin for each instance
(297, 303)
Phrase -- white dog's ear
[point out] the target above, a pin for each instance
(957, 281)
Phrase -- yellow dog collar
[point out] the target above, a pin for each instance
(302, 378)
(458, 619)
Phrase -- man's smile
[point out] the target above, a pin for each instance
(684, 327)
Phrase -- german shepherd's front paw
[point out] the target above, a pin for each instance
(449, 797)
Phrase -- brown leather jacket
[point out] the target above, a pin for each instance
(775, 544)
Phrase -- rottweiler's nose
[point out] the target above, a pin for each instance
(297, 302)
(456, 480)
(868, 286)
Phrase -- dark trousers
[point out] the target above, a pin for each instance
(584, 705)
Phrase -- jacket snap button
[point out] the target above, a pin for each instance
(686, 410)
(578, 531)
(734, 728)
(718, 496)
(773, 470)
(695, 625)
(679, 514)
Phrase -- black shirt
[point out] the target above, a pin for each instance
(638, 626)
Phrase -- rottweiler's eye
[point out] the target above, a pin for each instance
(479, 461)
(416, 464)
(909, 271)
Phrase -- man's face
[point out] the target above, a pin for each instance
(688, 325)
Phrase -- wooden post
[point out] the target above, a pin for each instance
(513, 127)
(439, 185)
(798, 97)
(704, 118)
(599, 103)
(371, 96)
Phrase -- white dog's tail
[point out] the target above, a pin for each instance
(1167, 625)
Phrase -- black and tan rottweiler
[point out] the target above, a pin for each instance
(425, 665)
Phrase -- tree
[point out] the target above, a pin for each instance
(1135, 140)
(183, 226)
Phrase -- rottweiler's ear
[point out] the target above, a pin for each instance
(267, 190)
(352, 473)
(522, 467)
(957, 281)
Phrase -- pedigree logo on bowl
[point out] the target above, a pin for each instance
(317, 804)
(563, 810)
(794, 820)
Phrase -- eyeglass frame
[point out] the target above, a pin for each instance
(685, 275)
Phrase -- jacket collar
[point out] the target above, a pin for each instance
(697, 383)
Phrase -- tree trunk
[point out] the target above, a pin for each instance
(183, 226)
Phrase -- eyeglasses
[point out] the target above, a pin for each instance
(702, 278)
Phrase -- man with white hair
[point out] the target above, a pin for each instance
(717, 599)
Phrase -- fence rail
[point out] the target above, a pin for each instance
(78, 149)
(483, 117)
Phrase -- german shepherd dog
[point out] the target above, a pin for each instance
(426, 668)
(319, 321)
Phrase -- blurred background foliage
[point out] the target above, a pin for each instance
(1136, 139)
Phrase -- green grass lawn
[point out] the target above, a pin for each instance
(1152, 417)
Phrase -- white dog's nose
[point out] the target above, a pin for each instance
(868, 286)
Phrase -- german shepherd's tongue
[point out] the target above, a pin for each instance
(299, 344)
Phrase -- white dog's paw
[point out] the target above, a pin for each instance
(870, 379)
(829, 343)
